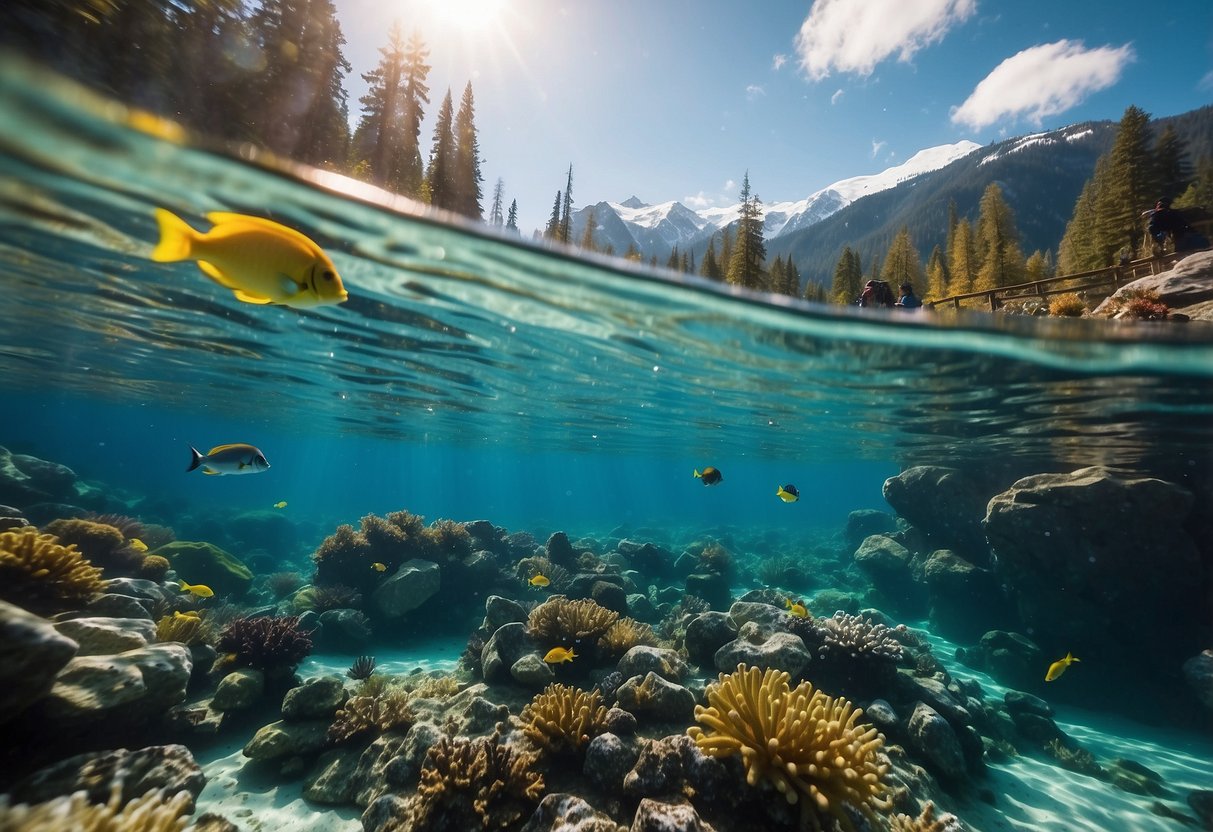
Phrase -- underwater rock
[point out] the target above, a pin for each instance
(113, 605)
(481, 715)
(1201, 801)
(238, 690)
(506, 646)
(389, 812)
(404, 769)
(934, 739)
(32, 651)
(652, 816)
(668, 765)
(619, 722)
(480, 569)
(559, 812)
(888, 565)
(559, 551)
(169, 767)
(107, 636)
(198, 562)
(499, 610)
(532, 671)
(782, 651)
(287, 739)
(711, 587)
(642, 609)
(642, 659)
(769, 617)
(1198, 673)
(1131, 776)
(610, 595)
(945, 504)
(933, 693)
(1073, 549)
(865, 522)
(371, 775)
(343, 627)
(607, 759)
(415, 582)
(649, 559)
(1039, 729)
(830, 601)
(154, 676)
(1011, 658)
(1019, 702)
(331, 780)
(965, 600)
(706, 634)
(654, 696)
(315, 698)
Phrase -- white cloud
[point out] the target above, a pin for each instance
(855, 35)
(699, 201)
(778, 61)
(754, 91)
(876, 146)
(837, 95)
(1042, 81)
(729, 186)
(1206, 83)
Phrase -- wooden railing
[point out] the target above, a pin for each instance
(1112, 277)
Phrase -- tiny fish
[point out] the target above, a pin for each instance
(796, 609)
(260, 260)
(237, 458)
(137, 544)
(201, 590)
(539, 580)
(787, 493)
(379, 567)
(560, 654)
(1059, 667)
(280, 504)
(178, 614)
(709, 475)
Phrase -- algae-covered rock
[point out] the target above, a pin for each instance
(315, 698)
(239, 690)
(782, 651)
(287, 739)
(31, 653)
(198, 562)
(155, 677)
(107, 636)
(168, 767)
(559, 812)
(653, 696)
(652, 816)
(531, 671)
(414, 583)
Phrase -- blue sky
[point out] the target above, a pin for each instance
(673, 99)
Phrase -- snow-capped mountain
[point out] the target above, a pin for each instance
(657, 229)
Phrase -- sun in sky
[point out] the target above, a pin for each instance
(467, 15)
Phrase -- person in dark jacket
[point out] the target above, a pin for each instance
(876, 293)
(1166, 222)
(908, 299)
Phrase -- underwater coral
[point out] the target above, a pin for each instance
(564, 719)
(44, 576)
(475, 784)
(273, 644)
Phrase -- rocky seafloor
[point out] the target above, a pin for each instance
(726, 679)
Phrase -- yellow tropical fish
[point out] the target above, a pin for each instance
(178, 614)
(560, 654)
(258, 259)
(280, 504)
(1059, 667)
(787, 493)
(539, 580)
(137, 544)
(201, 590)
(797, 609)
(379, 567)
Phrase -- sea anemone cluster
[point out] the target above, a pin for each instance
(43, 575)
(564, 719)
(274, 645)
(811, 747)
(475, 784)
(561, 621)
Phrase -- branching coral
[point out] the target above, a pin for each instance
(475, 784)
(926, 822)
(716, 558)
(274, 645)
(361, 714)
(186, 629)
(129, 526)
(625, 634)
(563, 718)
(102, 544)
(439, 687)
(282, 584)
(558, 577)
(40, 574)
(448, 539)
(154, 812)
(561, 621)
(345, 557)
(844, 635)
(809, 746)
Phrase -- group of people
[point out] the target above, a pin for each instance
(878, 293)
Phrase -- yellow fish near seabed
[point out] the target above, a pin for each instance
(379, 567)
(194, 614)
(796, 610)
(260, 260)
(280, 504)
(539, 580)
(201, 590)
(560, 654)
(1059, 667)
(137, 544)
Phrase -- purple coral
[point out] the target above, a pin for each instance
(274, 645)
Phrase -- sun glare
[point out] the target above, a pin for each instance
(467, 14)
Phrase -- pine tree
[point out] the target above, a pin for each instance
(466, 176)
(815, 292)
(496, 212)
(511, 221)
(750, 251)
(379, 142)
(726, 251)
(1200, 192)
(962, 260)
(848, 278)
(587, 235)
(440, 175)
(552, 230)
(709, 267)
(1038, 266)
(566, 210)
(937, 276)
(1129, 186)
(997, 242)
(791, 276)
(1078, 251)
(775, 276)
(672, 261)
(901, 264)
(1171, 168)
(633, 253)
(684, 263)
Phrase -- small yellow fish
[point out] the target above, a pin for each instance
(560, 654)
(709, 475)
(539, 580)
(201, 590)
(178, 614)
(1059, 667)
(236, 458)
(260, 260)
(280, 504)
(787, 493)
(379, 567)
(797, 609)
(137, 544)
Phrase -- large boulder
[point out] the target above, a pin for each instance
(154, 677)
(865, 522)
(288, 739)
(168, 767)
(945, 504)
(106, 636)
(198, 562)
(560, 812)
(935, 739)
(756, 648)
(1186, 288)
(889, 566)
(415, 582)
(655, 697)
(506, 646)
(965, 600)
(1091, 555)
(31, 653)
(1198, 673)
(706, 634)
